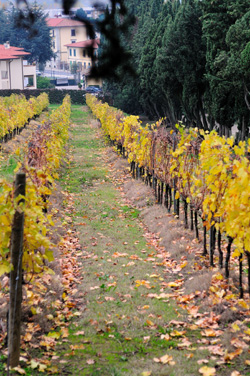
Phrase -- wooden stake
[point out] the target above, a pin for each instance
(16, 277)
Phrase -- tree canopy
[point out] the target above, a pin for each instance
(192, 59)
(27, 28)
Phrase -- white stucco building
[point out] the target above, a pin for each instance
(15, 72)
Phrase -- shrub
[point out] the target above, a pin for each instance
(44, 83)
(55, 96)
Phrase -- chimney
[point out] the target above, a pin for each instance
(7, 44)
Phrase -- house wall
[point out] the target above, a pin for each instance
(16, 71)
(79, 58)
(66, 38)
(29, 71)
(4, 67)
(56, 42)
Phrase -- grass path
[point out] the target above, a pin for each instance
(143, 300)
(119, 329)
(124, 329)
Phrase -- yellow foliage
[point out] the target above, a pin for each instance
(212, 175)
(39, 182)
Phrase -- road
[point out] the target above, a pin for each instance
(57, 73)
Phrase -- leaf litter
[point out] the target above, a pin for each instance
(198, 325)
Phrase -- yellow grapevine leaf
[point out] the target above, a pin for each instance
(4, 269)
(54, 335)
(236, 327)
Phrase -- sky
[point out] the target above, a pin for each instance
(80, 3)
(58, 3)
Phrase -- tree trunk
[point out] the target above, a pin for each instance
(212, 245)
(220, 250)
(204, 239)
(196, 225)
(185, 213)
(240, 276)
(166, 195)
(170, 199)
(230, 241)
(178, 207)
(248, 271)
(191, 218)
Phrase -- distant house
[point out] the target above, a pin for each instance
(63, 32)
(78, 53)
(91, 12)
(15, 73)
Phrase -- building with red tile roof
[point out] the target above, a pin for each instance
(70, 45)
(15, 73)
(9, 52)
(85, 44)
(65, 31)
(79, 54)
(63, 22)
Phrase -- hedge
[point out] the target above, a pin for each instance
(55, 95)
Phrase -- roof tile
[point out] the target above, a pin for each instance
(11, 52)
(63, 22)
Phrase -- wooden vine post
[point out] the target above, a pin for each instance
(16, 276)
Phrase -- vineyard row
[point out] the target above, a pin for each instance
(16, 111)
(39, 159)
(211, 175)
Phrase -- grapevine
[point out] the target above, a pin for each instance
(40, 163)
(208, 172)
(15, 112)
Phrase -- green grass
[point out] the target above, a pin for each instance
(122, 325)
(117, 341)
(7, 168)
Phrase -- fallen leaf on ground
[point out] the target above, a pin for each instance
(90, 361)
(201, 361)
(80, 333)
(207, 371)
(19, 370)
(230, 356)
(165, 359)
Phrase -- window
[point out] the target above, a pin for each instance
(28, 81)
(4, 75)
(53, 45)
(84, 64)
(83, 53)
(89, 64)
(70, 52)
(53, 32)
(74, 52)
(73, 32)
(73, 40)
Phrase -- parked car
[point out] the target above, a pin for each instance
(94, 90)
(38, 73)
